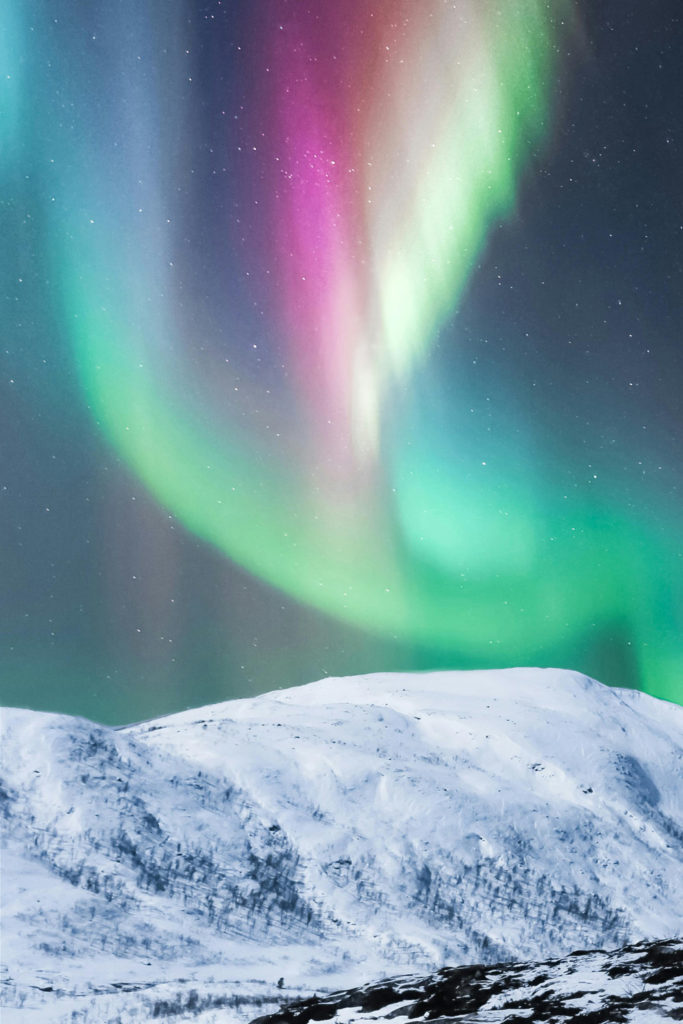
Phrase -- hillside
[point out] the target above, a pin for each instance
(336, 832)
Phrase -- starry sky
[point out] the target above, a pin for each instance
(337, 339)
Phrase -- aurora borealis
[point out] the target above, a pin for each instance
(338, 339)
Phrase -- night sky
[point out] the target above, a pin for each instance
(337, 338)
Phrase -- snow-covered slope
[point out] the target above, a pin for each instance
(337, 832)
(640, 984)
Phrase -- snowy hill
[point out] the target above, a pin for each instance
(333, 833)
(640, 984)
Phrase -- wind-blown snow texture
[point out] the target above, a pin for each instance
(333, 833)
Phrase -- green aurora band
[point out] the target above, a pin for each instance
(433, 544)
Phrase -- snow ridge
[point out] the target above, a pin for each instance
(338, 831)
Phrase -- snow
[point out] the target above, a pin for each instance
(638, 984)
(335, 832)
